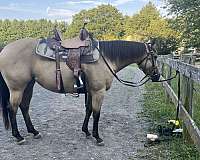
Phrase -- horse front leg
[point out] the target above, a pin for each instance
(97, 100)
(88, 105)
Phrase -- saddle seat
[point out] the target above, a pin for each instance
(74, 43)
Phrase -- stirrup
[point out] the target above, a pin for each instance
(81, 82)
(76, 88)
(76, 95)
(78, 85)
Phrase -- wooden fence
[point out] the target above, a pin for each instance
(190, 74)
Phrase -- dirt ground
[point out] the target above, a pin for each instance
(59, 119)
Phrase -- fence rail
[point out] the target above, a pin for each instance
(190, 73)
(185, 69)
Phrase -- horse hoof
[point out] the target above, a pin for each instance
(100, 143)
(88, 136)
(21, 142)
(38, 136)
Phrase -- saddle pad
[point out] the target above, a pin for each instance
(43, 50)
(88, 55)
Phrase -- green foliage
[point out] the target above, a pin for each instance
(148, 24)
(187, 13)
(105, 22)
(13, 30)
(166, 45)
(138, 24)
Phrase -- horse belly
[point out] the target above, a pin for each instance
(45, 75)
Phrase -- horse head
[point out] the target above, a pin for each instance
(149, 64)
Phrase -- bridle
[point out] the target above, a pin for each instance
(152, 54)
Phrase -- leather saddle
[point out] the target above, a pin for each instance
(72, 51)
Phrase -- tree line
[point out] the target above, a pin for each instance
(11, 30)
(106, 22)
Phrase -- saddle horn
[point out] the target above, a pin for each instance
(57, 34)
(84, 34)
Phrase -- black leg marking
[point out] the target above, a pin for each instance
(28, 122)
(87, 116)
(24, 106)
(13, 121)
(95, 132)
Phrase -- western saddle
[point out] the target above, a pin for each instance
(72, 49)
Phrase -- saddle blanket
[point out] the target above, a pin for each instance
(87, 54)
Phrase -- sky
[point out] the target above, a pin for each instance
(64, 9)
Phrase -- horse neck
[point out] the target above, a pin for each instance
(119, 64)
(121, 56)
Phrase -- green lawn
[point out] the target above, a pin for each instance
(157, 112)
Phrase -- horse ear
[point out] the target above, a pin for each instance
(84, 34)
(153, 42)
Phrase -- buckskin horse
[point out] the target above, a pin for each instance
(20, 68)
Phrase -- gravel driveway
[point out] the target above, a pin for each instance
(59, 119)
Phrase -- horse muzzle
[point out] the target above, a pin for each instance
(155, 77)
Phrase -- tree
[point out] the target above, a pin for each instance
(105, 22)
(148, 24)
(187, 16)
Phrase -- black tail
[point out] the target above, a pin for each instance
(4, 101)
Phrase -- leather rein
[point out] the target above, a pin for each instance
(129, 83)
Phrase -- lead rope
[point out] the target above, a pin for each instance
(176, 123)
(179, 101)
(177, 72)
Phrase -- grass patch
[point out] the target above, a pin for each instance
(196, 104)
(157, 111)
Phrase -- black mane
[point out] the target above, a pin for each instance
(120, 49)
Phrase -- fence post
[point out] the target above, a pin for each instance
(168, 75)
(187, 88)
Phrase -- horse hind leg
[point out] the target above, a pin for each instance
(15, 100)
(24, 106)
